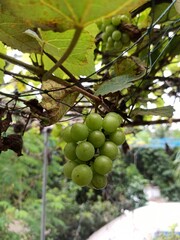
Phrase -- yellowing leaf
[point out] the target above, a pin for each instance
(56, 101)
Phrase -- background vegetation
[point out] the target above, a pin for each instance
(74, 212)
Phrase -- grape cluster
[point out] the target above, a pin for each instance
(91, 148)
(113, 38)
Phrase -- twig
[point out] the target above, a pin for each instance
(38, 71)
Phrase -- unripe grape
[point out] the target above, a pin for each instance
(110, 41)
(70, 150)
(109, 29)
(116, 20)
(125, 18)
(118, 45)
(109, 149)
(97, 138)
(104, 36)
(107, 21)
(66, 134)
(68, 168)
(79, 132)
(85, 151)
(94, 121)
(110, 123)
(99, 181)
(118, 137)
(82, 175)
(120, 119)
(102, 164)
(116, 35)
(109, 46)
(125, 39)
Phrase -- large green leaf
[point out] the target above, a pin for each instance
(166, 111)
(65, 14)
(80, 62)
(12, 33)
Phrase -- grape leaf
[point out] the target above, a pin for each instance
(12, 33)
(66, 14)
(160, 9)
(127, 74)
(80, 62)
(57, 102)
(166, 111)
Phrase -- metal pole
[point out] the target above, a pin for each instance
(44, 183)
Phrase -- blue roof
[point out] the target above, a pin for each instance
(160, 142)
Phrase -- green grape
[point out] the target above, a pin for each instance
(115, 115)
(125, 39)
(99, 181)
(82, 175)
(70, 150)
(110, 41)
(110, 123)
(109, 29)
(102, 164)
(118, 45)
(104, 36)
(68, 168)
(79, 132)
(97, 138)
(125, 18)
(94, 121)
(116, 20)
(118, 137)
(85, 151)
(116, 35)
(66, 134)
(107, 21)
(109, 149)
(109, 46)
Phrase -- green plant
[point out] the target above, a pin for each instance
(158, 167)
(169, 235)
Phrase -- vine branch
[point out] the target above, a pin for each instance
(37, 70)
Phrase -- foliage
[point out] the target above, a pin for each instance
(54, 72)
(72, 212)
(171, 235)
(158, 167)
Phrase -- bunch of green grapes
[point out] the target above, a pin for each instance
(91, 148)
(113, 37)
